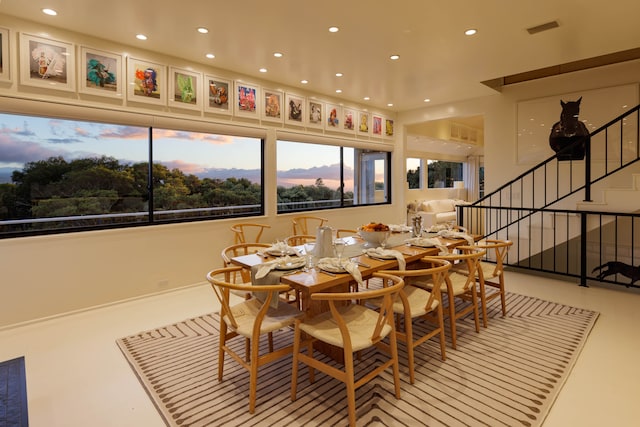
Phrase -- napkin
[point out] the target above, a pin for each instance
(429, 241)
(379, 252)
(263, 269)
(261, 275)
(334, 263)
(451, 234)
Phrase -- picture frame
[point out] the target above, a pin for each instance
(349, 118)
(315, 114)
(47, 63)
(272, 103)
(247, 100)
(217, 95)
(364, 122)
(376, 125)
(100, 72)
(5, 66)
(333, 117)
(147, 82)
(295, 109)
(185, 89)
(388, 127)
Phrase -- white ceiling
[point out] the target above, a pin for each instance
(437, 61)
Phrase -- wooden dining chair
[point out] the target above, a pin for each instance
(345, 232)
(306, 224)
(352, 327)
(460, 286)
(299, 239)
(250, 319)
(248, 232)
(416, 303)
(491, 274)
(239, 249)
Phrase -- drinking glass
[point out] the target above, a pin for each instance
(338, 248)
(309, 255)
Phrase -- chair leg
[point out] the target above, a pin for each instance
(253, 375)
(452, 319)
(476, 314)
(440, 317)
(247, 345)
(294, 370)
(502, 296)
(393, 344)
(270, 340)
(483, 303)
(351, 388)
(408, 330)
(221, 345)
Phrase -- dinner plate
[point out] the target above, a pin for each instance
(276, 252)
(331, 268)
(291, 265)
(421, 243)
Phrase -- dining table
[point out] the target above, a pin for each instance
(308, 281)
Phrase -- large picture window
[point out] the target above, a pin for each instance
(317, 176)
(442, 174)
(66, 175)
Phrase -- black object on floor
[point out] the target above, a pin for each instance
(13, 394)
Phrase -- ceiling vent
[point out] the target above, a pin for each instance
(543, 27)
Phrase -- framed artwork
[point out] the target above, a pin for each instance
(333, 115)
(272, 101)
(377, 125)
(315, 113)
(47, 63)
(349, 120)
(364, 124)
(185, 91)
(295, 109)
(217, 92)
(147, 82)
(246, 100)
(5, 74)
(100, 72)
(388, 127)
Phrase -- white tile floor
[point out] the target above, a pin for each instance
(76, 375)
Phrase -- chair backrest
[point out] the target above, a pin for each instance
(501, 247)
(345, 232)
(299, 239)
(239, 249)
(248, 232)
(392, 285)
(436, 273)
(221, 280)
(307, 224)
(470, 255)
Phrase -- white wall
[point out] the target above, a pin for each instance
(46, 276)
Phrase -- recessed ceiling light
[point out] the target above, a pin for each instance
(203, 30)
(394, 57)
(338, 90)
(263, 70)
(141, 37)
(210, 55)
(334, 29)
(389, 105)
(304, 82)
(338, 74)
(427, 100)
(366, 98)
(49, 12)
(470, 32)
(277, 54)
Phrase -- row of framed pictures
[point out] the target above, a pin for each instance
(50, 64)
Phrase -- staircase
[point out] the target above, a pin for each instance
(549, 214)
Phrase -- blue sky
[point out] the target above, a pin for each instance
(25, 139)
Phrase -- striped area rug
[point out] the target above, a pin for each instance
(507, 375)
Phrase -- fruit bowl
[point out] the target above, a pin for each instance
(374, 238)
